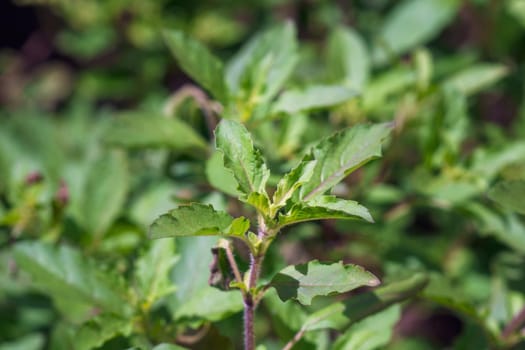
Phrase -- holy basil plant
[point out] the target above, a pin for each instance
(300, 195)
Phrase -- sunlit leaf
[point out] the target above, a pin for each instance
(371, 333)
(152, 271)
(313, 97)
(477, 77)
(392, 82)
(291, 181)
(33, 341)
(197, 220)
(325, 207)
(306, 281)
(240, 156)
(342, 153)
(64, 274)
(100, 329)
(342, 315)
(411, 23)
(143, 130)
(199, 63)
(507, 228)
(219, 176)
(104, 193)
(264, 63)
(194, 260)
(165, 346)
(348, 60)
(210, 304)
(510, 194)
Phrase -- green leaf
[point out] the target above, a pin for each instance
(411, 23)
(143, 130)
(65, 275)
(489, 164)
(290, 313)
(471, 337)
(165, 346)
(326, 318)
(516, 8)
(6, 159)
(374, 332)
(507, 228)
(325, 207)
(424, 68)
(440, 290)
(290, 182)
(264, 64)
(198, 220)
(306, 281)
(340, 154)
(220, 177)
(88, 43)
(510, 194)
(151, 201)
(259, 202)
(312, 97)
(195, 259)
(23, 147)
(341, 315)
(356, 308)
(210, 304)
(104, 193)
(33, 341)
(292, 129)
(448, 190)
(100, 329)
(152, 271)
(499, 306)
(391, 83)
(240, 156)
(288, 318)
(476, 78)
(198, 63)
(348, 60)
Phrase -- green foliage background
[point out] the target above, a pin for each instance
(109, 123)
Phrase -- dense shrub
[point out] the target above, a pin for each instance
(352, 175)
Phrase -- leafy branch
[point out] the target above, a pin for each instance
(299, 196)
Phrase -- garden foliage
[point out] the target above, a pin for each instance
(343, 190)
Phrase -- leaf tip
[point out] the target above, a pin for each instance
(373, 281)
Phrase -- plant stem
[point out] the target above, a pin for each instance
(233, 264)
(256, 259)
(208, 107)
(295, 339)
(303, 329)
(249, 304)
(249, 313)
(255, 268)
